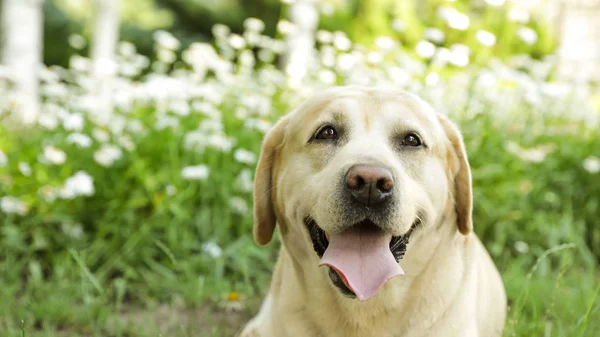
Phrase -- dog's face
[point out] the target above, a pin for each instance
(356, 170)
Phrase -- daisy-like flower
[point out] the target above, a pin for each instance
(592, 164)
(341, 41)
(239, 205)
(486, 38)
(166, 40)
(12, 205)
(425, 49)
(73, 122)
(3, 159)
(107, 155)
(254, 25)
(53, 155)
(244, 156)
(528, 35)
(79, 139)
(80, 183)
(197, 172)
(435, 35)
(25, 169)
(244, 180)
(213, 249)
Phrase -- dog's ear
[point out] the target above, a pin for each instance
(461, 172)
(264, 213)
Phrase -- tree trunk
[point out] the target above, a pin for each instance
(22, 27)
(106, 36)
(305, 15)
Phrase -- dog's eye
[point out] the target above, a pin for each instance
(326, 133)
(412, 140)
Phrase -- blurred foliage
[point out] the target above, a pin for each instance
(405, 21)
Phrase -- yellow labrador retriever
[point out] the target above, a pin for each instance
(371, 190)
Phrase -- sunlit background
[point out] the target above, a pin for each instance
(130, 131)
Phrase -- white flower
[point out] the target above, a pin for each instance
(286, 27)
(180, 107)
(53, 155)
(341, 41)
(107, 155)
(244, 180)
(220, 30)
(521, 247)
(164, 122)
(80, 184)
(486, 38)
(10, 205)
(25, 169)
(77, 41)
(518, 15)
(80, 64)
(254, 24)
(79, 139)
(533, 155)
(136, 127)
(198, 172)
(238, 205)
(171, 190)
(127, 143)
(3, 159)
(258, 124)
(425, 49)
(126, 49)
(73, 122)
(73, 231)
(166, 56)
(327, 9)
(195, 140)
(100, 135)
(374, 57)
(459, 21)
(324, 36)
(495, 2)
(327, 76)
(244, 156)
(459, 55)
(166, 40)
(236, 41)
(48, 120)
(592, 164)
(346, 61)
(247, 59)
(399, 25)
(208, 109)
(220, 142)
(435, 35)
(454, 18)
(432, 79)
(385, 43)
(213, 249)
(528, 35)
(48, 193)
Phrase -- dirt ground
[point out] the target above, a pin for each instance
(172, 321)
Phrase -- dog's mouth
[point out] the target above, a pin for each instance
(362, 258)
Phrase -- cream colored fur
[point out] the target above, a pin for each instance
(450, 287)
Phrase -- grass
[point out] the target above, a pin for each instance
(544, 301)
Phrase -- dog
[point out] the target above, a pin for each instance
(371, 191)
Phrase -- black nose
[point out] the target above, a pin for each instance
(369, 184)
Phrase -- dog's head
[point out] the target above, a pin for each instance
(352, 173)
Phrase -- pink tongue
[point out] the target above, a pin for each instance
(363, 259)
